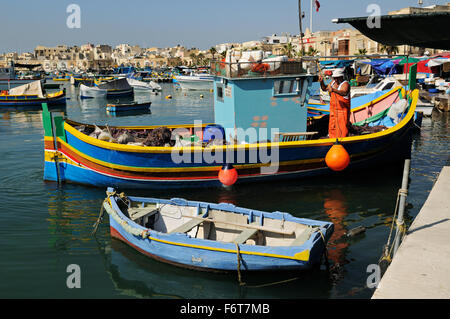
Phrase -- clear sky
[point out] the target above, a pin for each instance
(164, 23)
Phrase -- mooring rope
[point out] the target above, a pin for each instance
(238, 254)
(387, 253)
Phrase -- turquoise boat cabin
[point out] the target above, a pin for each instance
(253, 101)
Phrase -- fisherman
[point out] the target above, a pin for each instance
(339, 90)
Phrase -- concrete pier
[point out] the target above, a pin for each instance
(421, 267)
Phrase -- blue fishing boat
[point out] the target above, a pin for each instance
(216, 237)
(31, 95)
(265, 134)
(132, 107)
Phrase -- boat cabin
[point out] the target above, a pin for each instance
(253, 101)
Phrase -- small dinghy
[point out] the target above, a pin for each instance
(92, 92)
(215, 237)
(128, 107)
(146, 86)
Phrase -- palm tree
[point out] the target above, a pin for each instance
(201, 59)
(213, 51)
(388, 49)
(193, 57)
(311, 51)
(288, 49)
(362, 52)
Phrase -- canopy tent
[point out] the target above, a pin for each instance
(437, 62)
(362, 67)
(32, 88)
(406, 60)
(425, 30)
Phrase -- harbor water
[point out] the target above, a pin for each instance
(44, 227)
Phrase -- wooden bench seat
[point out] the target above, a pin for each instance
(303, 237)
(245, 235)
(187, 226)
(138, 212)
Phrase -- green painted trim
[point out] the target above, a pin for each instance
(59, 128)
(47, 121)
(412, 77)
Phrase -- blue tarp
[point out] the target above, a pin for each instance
(337, 63)
(383, 66)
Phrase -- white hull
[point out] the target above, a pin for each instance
(196, 82)
(140, 85)
(86, 91)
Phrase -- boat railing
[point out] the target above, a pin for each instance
(257, 69)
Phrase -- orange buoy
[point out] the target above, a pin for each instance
(337, 157)
(228, 175)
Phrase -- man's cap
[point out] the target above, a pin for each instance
(338, 73)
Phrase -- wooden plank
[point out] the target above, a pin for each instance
(246, 234)
(261, 228)
(139, 212)
(302, 237)
(187, 226)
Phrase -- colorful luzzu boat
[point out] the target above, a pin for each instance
(297, 151)
(31, 95)
(216, 237)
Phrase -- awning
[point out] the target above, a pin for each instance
(438, 61)
(425, 30)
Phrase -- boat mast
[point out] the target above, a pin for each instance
(311, 17)
(300, 16)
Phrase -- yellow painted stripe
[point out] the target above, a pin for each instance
(303, 255)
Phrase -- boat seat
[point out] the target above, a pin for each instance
(303, 237)
(184, 228)
(187, 226)
(244, 235)
(138, 212)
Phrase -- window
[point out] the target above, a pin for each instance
(219, 92)
(285, 87)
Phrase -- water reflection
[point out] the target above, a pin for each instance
(336, 208)
(139, 276)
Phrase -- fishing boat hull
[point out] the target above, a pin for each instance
(128, 107)
(92, 92)
(144, 86)
(188, 251)
(55, 99)
(87, 160)
(111, 94)
(195, 83)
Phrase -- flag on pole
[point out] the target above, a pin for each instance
(317, 3)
